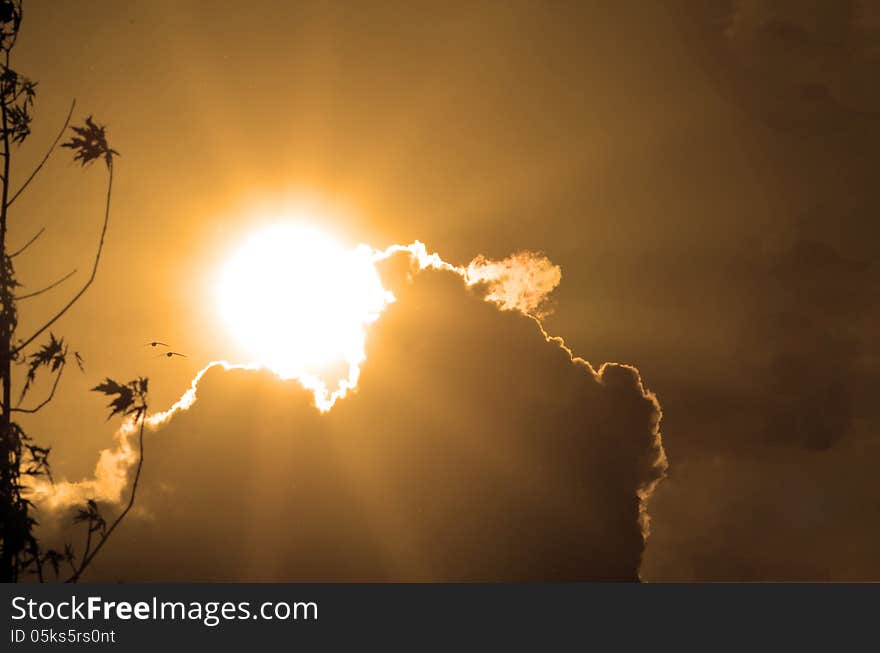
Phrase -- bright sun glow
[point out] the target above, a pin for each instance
(299, 304)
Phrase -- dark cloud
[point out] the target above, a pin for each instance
(771, 432)
(474, 449)
(779, 514)
(798, 66)
(808, 339)
(781, 485)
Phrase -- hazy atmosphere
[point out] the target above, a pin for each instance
(684, 193)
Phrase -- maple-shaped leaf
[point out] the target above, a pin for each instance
(90, 144)
(52, 355)
(129, 398)
(123, 400)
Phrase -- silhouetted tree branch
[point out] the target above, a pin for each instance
(20, 457)
(131, 400)
(45, 158)
(87, 559)
(91, 278)
(15, 527)
(28, 243)
(49, 287)
(48, 399)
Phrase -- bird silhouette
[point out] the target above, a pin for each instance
(156, 343)
(169, 354)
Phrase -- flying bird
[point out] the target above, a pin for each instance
(156, 343)
(169, 354)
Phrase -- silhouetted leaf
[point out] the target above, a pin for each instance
(90, 144)
(19, 121)
(130, 398)
(18, 94)
(53, 557)
(10, 21)
(7, 11)
(37, 462)
(91, 515)
(52, 355)
(124, 396)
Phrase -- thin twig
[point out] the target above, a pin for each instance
(134, 486)
(91, 276)
(49, 287)
(39, 406)
(39, 564)
(45, 158)
(88, 547)
(28, 243)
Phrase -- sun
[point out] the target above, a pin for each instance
(299, 304)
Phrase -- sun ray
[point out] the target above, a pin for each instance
(300, 304)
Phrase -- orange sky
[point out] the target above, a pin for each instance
(639, 146)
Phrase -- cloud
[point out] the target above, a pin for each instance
(773, 474)
(797, 66)
(789, 515)
(475, 448)
(770, 426)
(521, 282)
(804, 23)
(808, 340)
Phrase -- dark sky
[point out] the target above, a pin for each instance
(703, 173)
